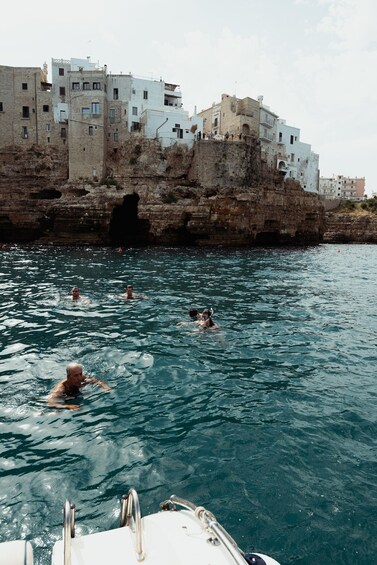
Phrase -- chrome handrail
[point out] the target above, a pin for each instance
(68, 530)
(209, 522)
(129, 501)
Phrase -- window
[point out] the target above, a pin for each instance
(85, 111)
(145, 94)
(46, 108)
(62, 116)
(215, 123)
(86, 86)
(291, 140)
(116, 136)
(280, 136)
(178, 131)
(115, 94)
(96, 86)
(63, 133)
(292, 157)
(48, 127)
(1, 107)
(134, 110)
(24, 134)
(48, 140)
(24, 86)
(133, 91)
(90, 130)
(62, 90)
(95, 108)
(25, 112)
(112, 115)
(61, 72)
(75, 86)
(135, 126)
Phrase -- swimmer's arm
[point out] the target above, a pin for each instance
(102, 384)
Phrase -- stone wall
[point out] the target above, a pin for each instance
(216, 193)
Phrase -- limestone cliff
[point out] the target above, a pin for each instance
(350, 227)
(216, 193)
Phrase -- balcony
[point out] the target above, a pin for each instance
(266, 136)
(266, 121)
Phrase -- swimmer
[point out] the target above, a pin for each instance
(130, 294)
(207, 322)
(76, 296)
(195, 316)
(71, 386)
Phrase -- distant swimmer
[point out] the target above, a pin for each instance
(207, 322)
(76, 296)
(71, 386)
(195, 315)
(130, 294)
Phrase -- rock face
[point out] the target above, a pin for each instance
(343, 227)
(217, 193)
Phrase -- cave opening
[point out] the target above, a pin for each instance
(125, 226)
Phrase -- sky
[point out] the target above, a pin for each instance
(313, 61)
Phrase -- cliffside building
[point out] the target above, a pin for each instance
(296, 158)
(338, 186)
(247, 119)
(238, 117)
(26, 115)
(90, 111)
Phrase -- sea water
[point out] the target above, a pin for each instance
(269, 422)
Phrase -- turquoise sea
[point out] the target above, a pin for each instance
(270, 422)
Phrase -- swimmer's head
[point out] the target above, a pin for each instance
(73, 370)
(207, 313)
(193, 312)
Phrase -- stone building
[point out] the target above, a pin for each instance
(248, 119)
(338, 186)
(26, 116)
(236, 117)
(89, 111)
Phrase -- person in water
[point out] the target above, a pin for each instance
(76, 296)
(71, 387)
(206, 322)
(195, 315)
(130, 294)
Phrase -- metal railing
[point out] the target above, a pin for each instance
(68, 530)
(129, 501)
(209, 522)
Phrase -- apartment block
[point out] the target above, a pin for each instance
(26, 116)
(295, 158)
(339, 186)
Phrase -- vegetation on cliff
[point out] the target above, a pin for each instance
(366, 207)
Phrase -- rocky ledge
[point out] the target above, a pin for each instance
(214, 194)
(350, 227)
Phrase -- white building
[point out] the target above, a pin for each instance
(151, 107)
(295, 158)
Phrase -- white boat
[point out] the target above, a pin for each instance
(189, 536)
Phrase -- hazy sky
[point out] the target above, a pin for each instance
(314, 61)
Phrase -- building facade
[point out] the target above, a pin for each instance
(339, 186)
(90, 111)
(234, 117)
(26, 115)
(267, 133)
(295, 158)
